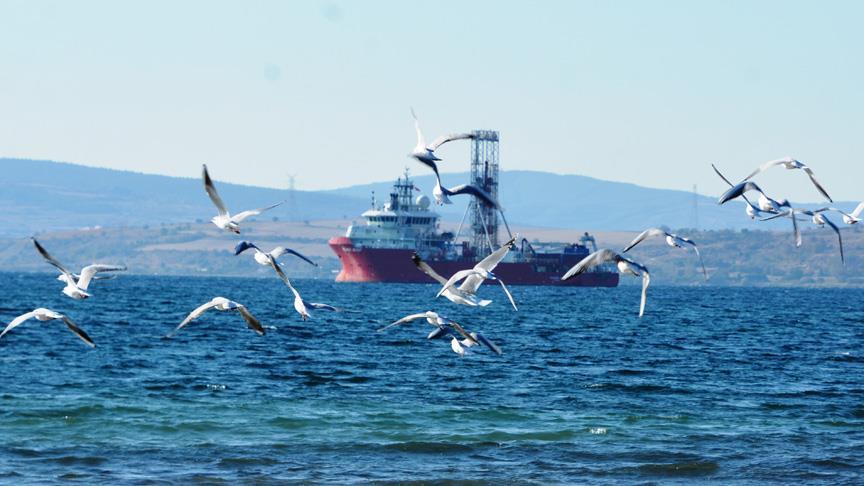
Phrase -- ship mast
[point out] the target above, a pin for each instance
(484, 174)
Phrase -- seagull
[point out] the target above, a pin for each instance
(671, 240)
(42, 314)
(854, 216)
(424, 153)
(624, 265)
(264, 258)
(460, 338)
(442, 194)
(222, 304)
(751, 209)
(453, 294)
(301, 306)
(481, 271)
(224, 220)
(818, 219)
(76, 288)
(790, 164)
(766, 204)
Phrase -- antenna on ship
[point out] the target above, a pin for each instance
(291, 202)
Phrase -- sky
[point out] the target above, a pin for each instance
(635, 91)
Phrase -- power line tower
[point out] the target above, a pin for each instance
(695, 208)
(484, 174)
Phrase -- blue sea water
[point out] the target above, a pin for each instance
(732, 385)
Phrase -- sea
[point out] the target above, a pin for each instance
(722, 385)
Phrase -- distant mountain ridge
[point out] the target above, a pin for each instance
(40, 195)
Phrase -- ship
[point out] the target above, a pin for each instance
(381, 247)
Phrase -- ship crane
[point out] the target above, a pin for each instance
(586, 238)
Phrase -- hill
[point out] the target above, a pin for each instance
(40, 195)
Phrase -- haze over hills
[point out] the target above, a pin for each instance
(38, 195)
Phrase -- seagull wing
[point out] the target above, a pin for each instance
(425, 268)
(17, 322)
(473, 191)
(448, 138)
(766, 166)
(239, 217)
(455, 325)
(489, 344)
(599, 257)
(53, 261)
(406, 319)
(455, 278)
(214, 196)
(421, 142)
(795, 228)
(318, 305)
(743, 196)
(509, 296)
(646, 280)
(88, 272)
(279, 272)
(701, 262)
(819, 187)
(78, 332)
(858, 210)
(839, 237)
(195, 314)
(642, 236)
(251, 321)
(490, 262)
(739, 190)
(281, 250)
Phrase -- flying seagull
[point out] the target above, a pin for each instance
(42, 314)
(855, 216)
(76, 288)
(442, 194)
(426, 153)
(222, 304)
(751, 209)
(481, 271)
(460, 338)
(765, 203)
(453, 294)
(224, 220)
(672, 240)
(790, 164)
(301, 306)
(263, 258)
(624, 265)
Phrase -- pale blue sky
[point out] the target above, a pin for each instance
(645, 92)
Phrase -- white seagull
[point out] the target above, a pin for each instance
(672, 240)
(855, 216)
(766, 204)
(751, 209)
(263, 258)
(453, 294)
(301, 306)
(76, 288)
(42, 314)
(474, 277)
(224, 220)
(426, 153)
(624, 265)
(442, 194)
(460, 338)
(790, 164)
(222, 304)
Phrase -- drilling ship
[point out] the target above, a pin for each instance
(380, 249)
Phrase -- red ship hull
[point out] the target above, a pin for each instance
(395, 265)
